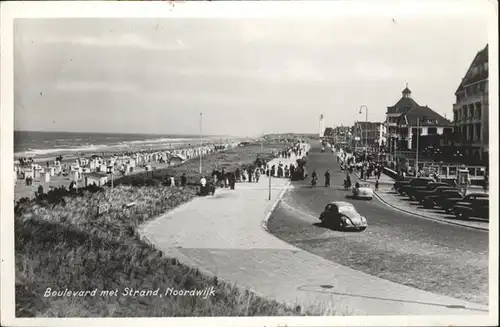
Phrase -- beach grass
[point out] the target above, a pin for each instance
(70, 246)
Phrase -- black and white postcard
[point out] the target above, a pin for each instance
(249, 163)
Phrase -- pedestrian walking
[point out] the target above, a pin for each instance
(257, 175)
(327, 178)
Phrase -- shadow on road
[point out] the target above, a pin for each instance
(336, 228)
(329, 289)
(352, 197)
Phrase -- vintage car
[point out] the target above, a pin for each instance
(363, 191)
(412, 192)
(343, 215)
(431, 201)
(422, 195)
(402, 187)
(477, 208)
(448, 203)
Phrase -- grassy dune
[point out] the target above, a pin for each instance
(70, 246)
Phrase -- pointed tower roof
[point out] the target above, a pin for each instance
(406, 92)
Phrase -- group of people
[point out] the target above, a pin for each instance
(314, 178)
(25, 162)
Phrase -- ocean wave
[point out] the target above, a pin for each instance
(125, 145)
(41, 152)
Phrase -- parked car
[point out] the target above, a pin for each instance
(431, 201)
(421, 195)
(343, 215)
(429, 187)
(420, 181)
(447, 204)
(402, 181)
(364, 191)
(477, 208)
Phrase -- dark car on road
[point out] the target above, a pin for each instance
(431, 201)
(421, 195)
(477, 208)
(342, 215)
(447, 204)
(415, 182)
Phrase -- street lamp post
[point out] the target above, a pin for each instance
(418, 137)
(201, 141)
(366, 124)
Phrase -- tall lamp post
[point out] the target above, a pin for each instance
(418, 138)
(365, 130)
(201, 141)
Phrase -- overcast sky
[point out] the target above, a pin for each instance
(247, 76)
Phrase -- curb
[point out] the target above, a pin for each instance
(273, 207)
(441, 220)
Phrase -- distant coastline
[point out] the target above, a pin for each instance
(42, 144)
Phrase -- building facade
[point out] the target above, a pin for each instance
(407, 119)
(470, 111)
(373, 134)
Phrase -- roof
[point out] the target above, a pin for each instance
(178, 156)
(328, 131)
(95, 175)
(424, 113)
(404, 102)
(341, 203)
(480, 59)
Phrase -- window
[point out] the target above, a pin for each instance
(432, 131)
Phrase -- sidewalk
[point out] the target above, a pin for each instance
(223, 236)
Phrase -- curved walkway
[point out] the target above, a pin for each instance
(222, 236)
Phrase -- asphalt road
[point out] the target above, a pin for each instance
(440, 258)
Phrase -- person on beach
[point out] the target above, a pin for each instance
(183, 180)
(40, 191)
(250, 173)
(172, 181)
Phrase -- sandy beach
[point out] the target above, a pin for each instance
(22, 190)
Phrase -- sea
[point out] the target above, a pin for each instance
(43, 144)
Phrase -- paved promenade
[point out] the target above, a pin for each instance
(223, 236)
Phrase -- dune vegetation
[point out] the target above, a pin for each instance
(87, 240)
